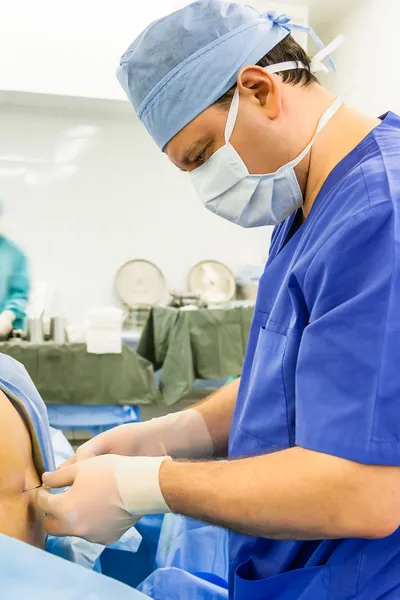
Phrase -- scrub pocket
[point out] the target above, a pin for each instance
(265, 415)
(300, 584)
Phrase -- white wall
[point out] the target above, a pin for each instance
(367, 74)
(85, 192)
(73, 48)
(70, 47)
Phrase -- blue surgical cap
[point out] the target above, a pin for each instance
(181, 64)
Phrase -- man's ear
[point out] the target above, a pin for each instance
(254, 81)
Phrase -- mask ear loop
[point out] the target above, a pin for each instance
(234, 107)
(232, 116)
(328, 114)
(288, 65)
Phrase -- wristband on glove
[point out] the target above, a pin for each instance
(139, 485)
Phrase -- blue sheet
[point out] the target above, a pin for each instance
(94, 418)
(191, 562)
(193, 546)
(186, 560)
(176, 584)
(178, 558)
(26, 572)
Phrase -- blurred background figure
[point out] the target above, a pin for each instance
(14, 283)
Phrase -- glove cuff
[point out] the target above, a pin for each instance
(186, 435)
(139, 486)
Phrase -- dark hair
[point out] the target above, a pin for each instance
(287, 50)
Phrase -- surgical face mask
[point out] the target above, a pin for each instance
(226, 188)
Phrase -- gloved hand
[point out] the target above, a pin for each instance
(180, 435)
(7, 318)
(108, 495)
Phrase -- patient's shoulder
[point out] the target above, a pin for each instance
(18, 516)
(17, 384)
(15, 447)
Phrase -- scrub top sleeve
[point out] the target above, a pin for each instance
(348, 369)
(18, 289)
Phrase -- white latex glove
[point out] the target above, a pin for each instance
(180, 435)
(108, 495)
(7, 318)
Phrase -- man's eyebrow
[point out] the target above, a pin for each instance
(190, 151)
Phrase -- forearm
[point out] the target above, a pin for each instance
(293, 494)
(217, 412)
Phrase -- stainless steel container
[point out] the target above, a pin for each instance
(57, 330)
(35, 331)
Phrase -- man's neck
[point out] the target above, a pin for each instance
(341, 135)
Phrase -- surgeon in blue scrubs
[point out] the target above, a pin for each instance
(311, 488)
(14, 285)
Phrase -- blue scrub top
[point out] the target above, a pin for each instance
(14, 281)
(322, 370)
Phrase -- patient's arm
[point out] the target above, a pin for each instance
(18, 515)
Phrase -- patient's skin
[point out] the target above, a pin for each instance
(19, 517)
